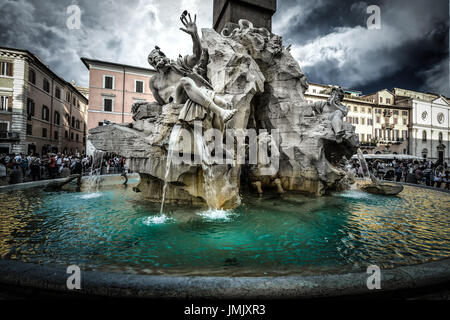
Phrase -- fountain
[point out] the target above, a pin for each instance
(216, 153)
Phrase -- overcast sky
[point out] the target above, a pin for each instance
(329, 38)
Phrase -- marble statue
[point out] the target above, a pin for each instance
(177, 82)
(241, 79)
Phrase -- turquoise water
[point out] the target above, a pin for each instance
(113, 229)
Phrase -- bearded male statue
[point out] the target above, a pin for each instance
(177, 82)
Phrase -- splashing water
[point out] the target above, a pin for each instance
(159, 219)
(363, 164)
(173, 140)
(214, 214)
(93, 181)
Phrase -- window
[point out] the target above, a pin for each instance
(77, 138)
(56, 135)
(381, 99)
(363, 120)
(395, 112)
(5, 103)
(369, 137)
(396, 135)
(44, 132)
(405, 121)
(108, 82)
(369, 110)
(363, 137)
(74, 101)
(388, 100)
(370, 122)
(108, 104)
(363, 110)
(404, 134)
(67, 96)
(355, 109)
(378, 119)
(356, 120)
(395, 120)
(71, 136)
(30, 108)
(139, 86)
(46, 85)
(100, 124)
(4, 126)
(78, 124)
(6, 69)
(440, 137)
(424, 136)
(349, 119)
(32, 76)
(29, 129)
(404, 113)
(66, 134)
(56, 118)
(68, 119)
(58, 93)
(73, 122)
(45, 113)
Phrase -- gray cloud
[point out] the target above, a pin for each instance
(328, 37)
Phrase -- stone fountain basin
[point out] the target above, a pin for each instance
(22, 279)
(38, 281)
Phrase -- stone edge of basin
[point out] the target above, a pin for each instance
(44, 183)
(17, 274)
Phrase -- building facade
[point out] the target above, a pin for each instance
(39, 112)
(430, 124)
(113, 88)
(381, 125)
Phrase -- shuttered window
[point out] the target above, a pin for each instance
(6, 68)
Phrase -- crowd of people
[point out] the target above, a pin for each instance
(410, 171)
(18, 168)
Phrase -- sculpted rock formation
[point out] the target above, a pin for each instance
(260, 88)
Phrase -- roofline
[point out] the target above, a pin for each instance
(86, 62)
(38, 61)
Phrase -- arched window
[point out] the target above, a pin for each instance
(440, 137)
(68, 119)
(424, 136)
(57, 118)
(73, 122)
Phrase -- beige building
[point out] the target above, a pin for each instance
(39, 111)
(381, 125)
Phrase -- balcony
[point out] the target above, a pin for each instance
(9, 136)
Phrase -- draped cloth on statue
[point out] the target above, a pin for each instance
(191, 110)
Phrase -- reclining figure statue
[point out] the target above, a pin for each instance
(335, 111)
(177, 82)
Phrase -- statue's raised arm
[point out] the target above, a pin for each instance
(190, 27)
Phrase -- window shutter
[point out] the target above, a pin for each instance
(11, 71)
(10, 103)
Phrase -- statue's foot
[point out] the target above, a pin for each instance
(228, 114)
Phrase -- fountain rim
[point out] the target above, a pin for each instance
(51, 280)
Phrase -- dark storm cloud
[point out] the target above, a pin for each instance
(333, 45)
(329, 38)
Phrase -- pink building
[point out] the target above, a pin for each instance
(113, 88)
